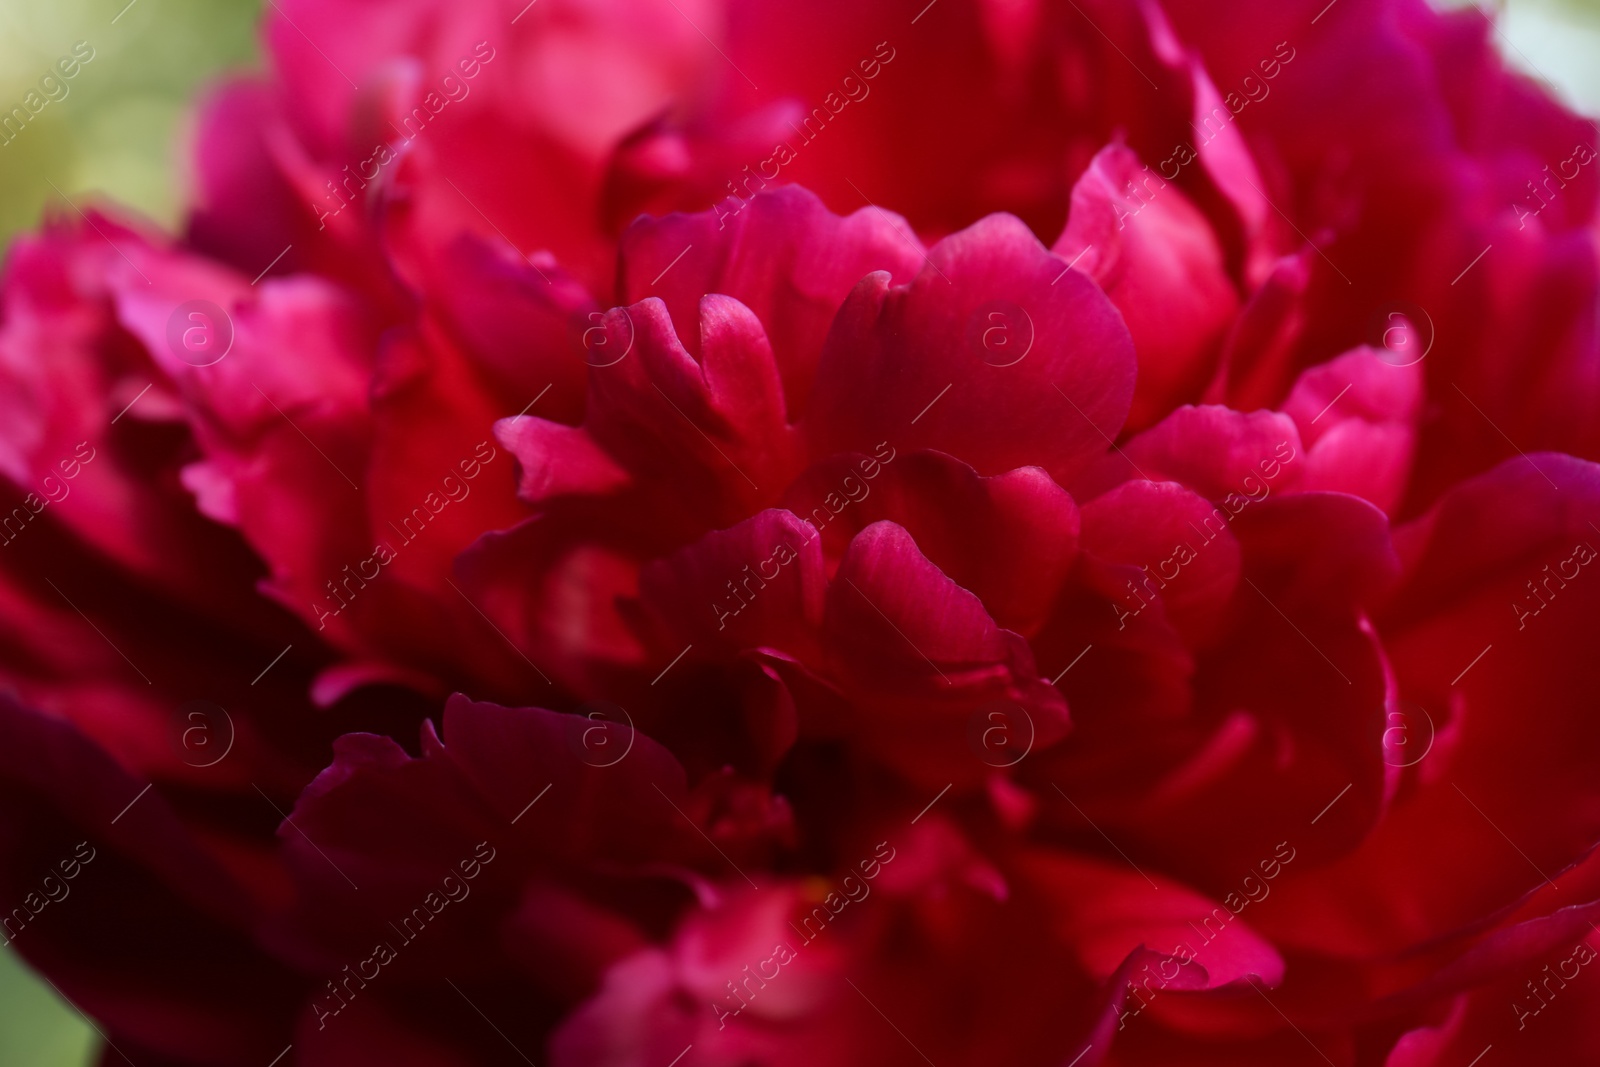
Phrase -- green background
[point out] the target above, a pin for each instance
(124, 131)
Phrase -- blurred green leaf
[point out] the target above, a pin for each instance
(119, 131)
(37, 1027)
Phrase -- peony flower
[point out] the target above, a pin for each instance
(988, 534)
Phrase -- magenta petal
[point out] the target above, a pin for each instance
(1224, 455)
(147, 932)
(241, 131)
(996, 354)
(892, 612)
(921, 653)
(1328, 553)
(706, 436)
(1187, 553)
(1480, 632)
(611, 809)
(1011, 538)
(522, 322)
(556, 461)
(1258, 357)
(1506, 952)
(1155, 255)
(282, 419)
(1107, 910)
(757, 585)
(1292, 705)
(553, 597)
(1357, 416)
(527, 793)
(653, 1004)
(80, 398)
(783, 255)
